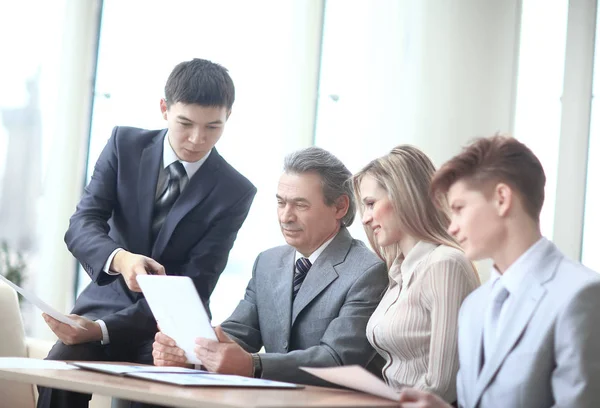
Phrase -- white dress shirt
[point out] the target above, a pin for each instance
(414, 328)
(169, 156)
(313, 257)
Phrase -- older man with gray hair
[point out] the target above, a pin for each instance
(309, 301)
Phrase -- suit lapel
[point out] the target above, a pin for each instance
(520, 311)
(282, 285)
(147, 180)
(198, 188)
(323, 272)
(477, 327)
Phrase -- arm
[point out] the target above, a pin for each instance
(447, 284)
(344, 341)
(207, 260)
(87, 236)
(577, 346)
(242, 326)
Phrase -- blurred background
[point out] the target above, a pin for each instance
(356, 77)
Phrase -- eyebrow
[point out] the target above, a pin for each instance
(295, 200)
(367, 198)
(214, 122)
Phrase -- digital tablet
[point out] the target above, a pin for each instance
(178, 310)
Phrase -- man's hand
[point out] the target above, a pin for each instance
(131, 265)
(411, 398)
(224, 356)
(166, 353)
(73, 335)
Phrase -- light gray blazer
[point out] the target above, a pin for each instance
(326, 325)
(548, 353)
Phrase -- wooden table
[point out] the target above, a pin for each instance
(153, 392)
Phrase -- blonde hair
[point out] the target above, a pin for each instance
(405, 174)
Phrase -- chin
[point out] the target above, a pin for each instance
(473, 255)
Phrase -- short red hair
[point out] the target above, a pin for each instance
(499, 159)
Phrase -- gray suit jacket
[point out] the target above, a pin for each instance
(548, 353)
(325, 325)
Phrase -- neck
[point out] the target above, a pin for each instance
(308, 253)
(516, 242)
(406, 244)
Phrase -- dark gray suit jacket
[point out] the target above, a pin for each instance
(325, 325)
(116, 212)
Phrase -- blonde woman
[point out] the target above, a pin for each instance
(415, 326)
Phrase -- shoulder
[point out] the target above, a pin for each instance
(236, 180)
(275, 253)
(128, 134)
(573, 283)
(360, 257)
(446, 259)
(128, 138)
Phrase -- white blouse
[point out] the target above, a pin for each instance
(415, 327)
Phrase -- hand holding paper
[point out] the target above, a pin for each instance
(355, 377)
(89, 330)
(43, 306)
(409, 397)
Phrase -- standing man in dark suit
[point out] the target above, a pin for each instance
(161, 201)
(309, 301)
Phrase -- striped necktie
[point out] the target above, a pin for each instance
(302, 267)
(165, 201)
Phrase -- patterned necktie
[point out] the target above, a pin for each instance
(490, 328)
(165, 201)
(302, 267)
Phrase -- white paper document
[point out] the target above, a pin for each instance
(213, 380)
(43, 306)
(178, 310)
(123, 369)
(28, 363)
(355, 377)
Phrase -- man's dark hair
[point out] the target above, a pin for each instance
(200, 82)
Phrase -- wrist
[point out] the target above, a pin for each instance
(256, 365)
(97, 333)
(117, 261)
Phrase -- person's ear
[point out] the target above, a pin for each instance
(163, 108)
(342, 204)
(503, 198)
(228, 114)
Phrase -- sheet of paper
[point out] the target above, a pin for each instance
(213, 380)
(43, 306)
(120, 369)
(22, 362)
(177, 308)
(355, 377)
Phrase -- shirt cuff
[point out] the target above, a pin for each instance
(105, 339)
(109, 261)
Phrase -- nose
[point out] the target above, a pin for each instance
(453, 228)
(197, 137)
(367, 218)
(286, 214)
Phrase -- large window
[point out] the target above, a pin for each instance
(591, 219)
(28, 96)
(266, 47)
(539, 90)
